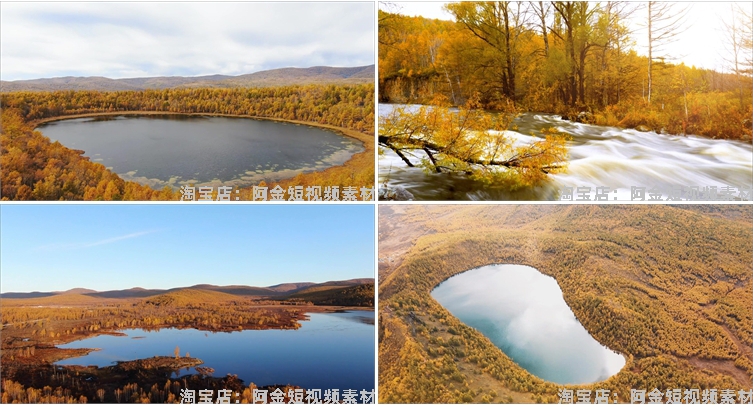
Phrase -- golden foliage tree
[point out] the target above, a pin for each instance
(567, 58)
(472, 142)
(34, 168)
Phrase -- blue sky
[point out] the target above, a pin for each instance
(144, 39)
(115, 246)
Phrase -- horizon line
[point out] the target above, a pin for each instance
(173, 288)
(189, 77)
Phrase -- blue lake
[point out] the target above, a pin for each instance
(523, 312)
(331, 350)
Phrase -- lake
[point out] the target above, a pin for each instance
(331, 350)
(522, 312)
(599, 156)
(175, 150)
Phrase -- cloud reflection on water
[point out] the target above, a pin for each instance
(523, 312)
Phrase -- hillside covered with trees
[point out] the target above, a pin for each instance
(35, 168)
(668, 287)
(360, 295)
(35, 325)
(266, 78)
(575, 59)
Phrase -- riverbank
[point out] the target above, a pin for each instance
(599, 156)
(643, 121)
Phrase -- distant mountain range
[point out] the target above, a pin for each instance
(275, 291)
(266, 78)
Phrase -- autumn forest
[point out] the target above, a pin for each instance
(33, 168)
(35, 325)
(576, 59)
(667, 287)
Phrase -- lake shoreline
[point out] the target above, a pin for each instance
(51, 353)
(344, 131)
(356, 161)
(516, 283)
(145, 367)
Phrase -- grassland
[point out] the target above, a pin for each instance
(670, 287)
(35, 324)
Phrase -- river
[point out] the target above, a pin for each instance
(600, 156)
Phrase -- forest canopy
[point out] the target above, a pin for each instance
(668, 287)
(576, 59)
(33, 168)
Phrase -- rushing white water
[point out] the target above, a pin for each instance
(599, 157)
(523, 313)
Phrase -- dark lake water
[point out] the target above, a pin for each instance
(600, 156)
(176, 150)
(331, 350)
(522, 312)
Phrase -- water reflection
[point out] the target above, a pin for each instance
(524, 313)
(334, 350)
(175, 150)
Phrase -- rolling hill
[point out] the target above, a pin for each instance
(279, 291)
(288, 287)
(267, 78)
(55, 300)
(359, 295)
(187, 296)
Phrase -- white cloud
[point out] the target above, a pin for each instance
(153, 39)
(85, 245)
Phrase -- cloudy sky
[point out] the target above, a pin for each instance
(119, 40)
(56, 247)
(702, 44)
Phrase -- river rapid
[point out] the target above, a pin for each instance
(600, 156)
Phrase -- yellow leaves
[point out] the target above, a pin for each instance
(472, 141)
(35, 168)
(653, 327)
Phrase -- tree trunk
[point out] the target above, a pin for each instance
(650, 60)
